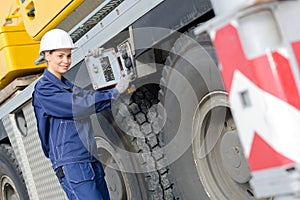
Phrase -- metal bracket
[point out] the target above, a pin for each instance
(127, 59)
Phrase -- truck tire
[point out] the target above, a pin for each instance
(11, 179)
(199, 132)
(136, 115)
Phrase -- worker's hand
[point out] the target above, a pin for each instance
(123, 84)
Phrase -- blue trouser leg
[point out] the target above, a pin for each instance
(100, 181)
(84, 181)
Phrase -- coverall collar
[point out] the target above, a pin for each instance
(63, 83)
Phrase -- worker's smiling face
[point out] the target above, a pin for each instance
(59, 61)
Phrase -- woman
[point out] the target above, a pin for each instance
(62, 111)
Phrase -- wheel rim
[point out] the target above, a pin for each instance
(219, 160)
(117, 180)
(8, 189)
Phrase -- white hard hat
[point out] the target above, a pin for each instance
(56, 39)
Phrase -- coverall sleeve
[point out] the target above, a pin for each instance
(43, 125)
(64, 103)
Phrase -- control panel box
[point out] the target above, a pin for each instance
(104, 68)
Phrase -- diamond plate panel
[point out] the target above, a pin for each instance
(39, 176)
(19, 150)
(44, 178)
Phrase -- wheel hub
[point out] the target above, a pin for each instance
(115, 184)
(8, 189)
(233, 159)
(222, 168)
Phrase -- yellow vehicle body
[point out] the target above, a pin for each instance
(17, 54)
(22, 24)
(41, 15)
(17, 49)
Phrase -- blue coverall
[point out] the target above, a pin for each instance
(63, 114)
